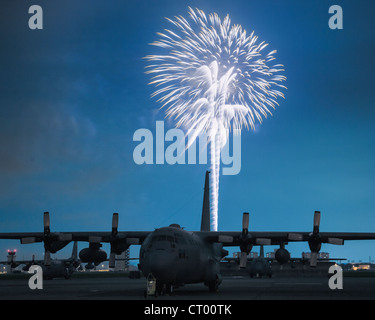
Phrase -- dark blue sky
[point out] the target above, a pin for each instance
(73, 94)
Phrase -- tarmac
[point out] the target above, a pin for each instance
(120, 287)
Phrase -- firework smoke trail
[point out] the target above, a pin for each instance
(214, 78)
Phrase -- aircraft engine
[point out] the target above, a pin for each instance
(53, 241)
(55, 246)
(315, 240)
(282, 256)
(246, 244)
(93, 254)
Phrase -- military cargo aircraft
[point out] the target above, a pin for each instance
(261, 266)
(256, 266)
(59, 268)
(175, 256)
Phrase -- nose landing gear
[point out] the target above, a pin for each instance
(155, 288)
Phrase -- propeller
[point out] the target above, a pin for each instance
(316, 240)
(245, 240)
(119, 242)
(52, 241)
(47, 239)
(114, 237)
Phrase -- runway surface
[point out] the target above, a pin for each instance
(232, 288)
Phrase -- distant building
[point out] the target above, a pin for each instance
(11, 258)
(237, 255)
(122, 261)
(363, 266)
(271, 255)
(321, 255)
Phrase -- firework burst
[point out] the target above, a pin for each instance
(214, 78)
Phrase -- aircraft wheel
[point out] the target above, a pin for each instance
(169, 289)
(213, 286)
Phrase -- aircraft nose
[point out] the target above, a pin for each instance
(162, 265)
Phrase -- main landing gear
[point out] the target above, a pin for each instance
(213, 285)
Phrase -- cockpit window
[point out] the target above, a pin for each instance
(179, 238)
(162, 237)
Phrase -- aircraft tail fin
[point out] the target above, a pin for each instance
(205, 222)
(261, 253)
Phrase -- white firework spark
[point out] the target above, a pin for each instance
(214, 78)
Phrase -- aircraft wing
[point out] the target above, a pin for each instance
(315, 238)
(48, 237)
(245, 239)
(54, 241)
(236, 238)
(130, 237)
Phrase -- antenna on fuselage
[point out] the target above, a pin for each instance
(205, 222)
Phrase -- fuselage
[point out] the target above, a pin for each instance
(260, 267)
(175, 256)
(57, 269)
